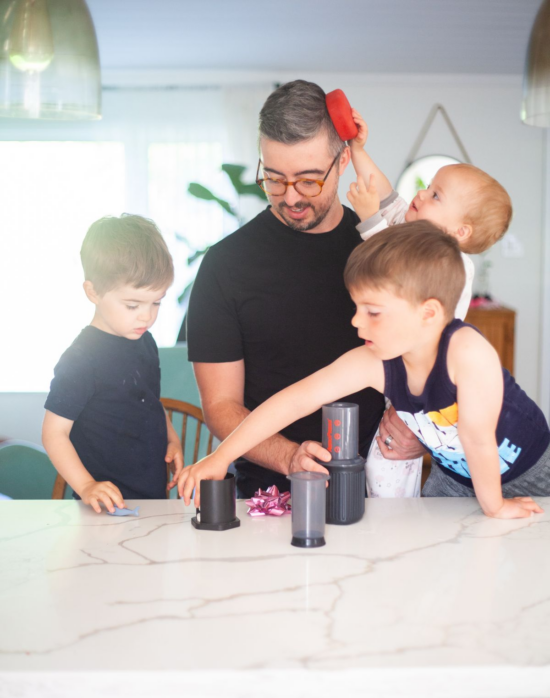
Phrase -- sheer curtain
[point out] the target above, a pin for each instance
(58, 178)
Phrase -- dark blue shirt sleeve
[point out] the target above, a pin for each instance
(72, 386)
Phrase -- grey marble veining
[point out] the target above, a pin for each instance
(421, 595)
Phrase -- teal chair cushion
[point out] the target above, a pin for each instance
(177, 379)
(26, 472)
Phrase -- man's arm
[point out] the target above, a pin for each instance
(221, 387)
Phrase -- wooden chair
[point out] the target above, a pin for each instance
(187, 410)
(59, 487)
(171, 406)
(26, 472)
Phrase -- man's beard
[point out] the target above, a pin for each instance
(319, 214)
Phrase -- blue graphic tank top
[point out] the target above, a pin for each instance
(522, 432)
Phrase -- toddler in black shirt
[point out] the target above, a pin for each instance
(105, 429)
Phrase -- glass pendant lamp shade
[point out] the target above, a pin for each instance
(49, 60)
(535, 108)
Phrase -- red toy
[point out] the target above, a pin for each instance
(340, 113)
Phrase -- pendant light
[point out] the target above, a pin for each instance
(535, 108)
(49, 60)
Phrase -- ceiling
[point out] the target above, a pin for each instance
(373, 36)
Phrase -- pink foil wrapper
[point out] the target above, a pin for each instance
(269, 503)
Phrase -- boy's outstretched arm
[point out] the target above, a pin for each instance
(355, 370)
(475, 368)
(362, 162)
(62, 453)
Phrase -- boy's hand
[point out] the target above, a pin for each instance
(358, 143)
(209, 468)
(517, 508)
(105, 492)
(174, 456)
(364, 199)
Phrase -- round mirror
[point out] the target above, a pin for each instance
(420, 173)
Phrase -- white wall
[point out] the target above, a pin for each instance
(485, 112)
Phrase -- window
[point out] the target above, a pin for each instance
(187, 223)
(53, 191)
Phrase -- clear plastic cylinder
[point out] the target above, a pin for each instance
(308, 492)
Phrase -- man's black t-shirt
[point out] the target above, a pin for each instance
(110, 387)
(276, 298)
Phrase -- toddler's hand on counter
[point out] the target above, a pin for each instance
(105, 492)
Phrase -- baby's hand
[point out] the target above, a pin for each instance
(209, 468)
(518, 508)
(96, 492)
(362, 131)
(365, 200)
(174, 456)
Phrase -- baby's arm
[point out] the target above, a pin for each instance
(475, 369)
(62, 453)
(174, 453)
(350, 373)
(372, 185)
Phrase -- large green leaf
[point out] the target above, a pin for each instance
(196, 189)
(235, 174)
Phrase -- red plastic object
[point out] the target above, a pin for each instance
(340, 113)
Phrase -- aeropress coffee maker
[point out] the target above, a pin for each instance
(347, 486)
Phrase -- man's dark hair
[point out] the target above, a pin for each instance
(295, 112)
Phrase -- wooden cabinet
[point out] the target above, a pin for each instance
(498, 327)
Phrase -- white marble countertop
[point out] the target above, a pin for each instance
(423, 597)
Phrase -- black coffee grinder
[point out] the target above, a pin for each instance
(346, 490)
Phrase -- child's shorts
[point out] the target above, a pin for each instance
(533, 483)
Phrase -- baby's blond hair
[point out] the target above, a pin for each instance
(489, 209)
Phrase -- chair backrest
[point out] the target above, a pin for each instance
(26, 472)
(202, 443)
(59, 488)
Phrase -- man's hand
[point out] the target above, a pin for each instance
(517, 508)
(403, 444)
(304, 455)
(174, 456)
(364, 199)
(95, 492)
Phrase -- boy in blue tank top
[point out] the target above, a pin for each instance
(487, 438)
